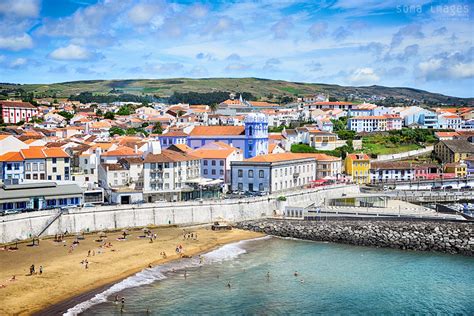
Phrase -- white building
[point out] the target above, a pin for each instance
(15, 111)
(273, 172)
(375, 123)
(165, 175)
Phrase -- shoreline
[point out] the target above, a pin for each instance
(125, 260)
(63, 306)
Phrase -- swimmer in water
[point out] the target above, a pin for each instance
(302, 281)
(296, 273)
(268, 275)
(228, 285)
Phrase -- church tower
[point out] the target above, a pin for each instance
(256, 135)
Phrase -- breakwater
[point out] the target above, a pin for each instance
(450, 237)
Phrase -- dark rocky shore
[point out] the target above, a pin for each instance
(450, 237)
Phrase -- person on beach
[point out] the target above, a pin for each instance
(123, 305)
(13, 279)
(116, 299)
(41, 270)
(89, 253)
(268, 274)
(149, 266)
(185, 274)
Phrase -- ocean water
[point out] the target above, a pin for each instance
(332, 279)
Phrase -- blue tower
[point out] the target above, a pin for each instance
(256, 135)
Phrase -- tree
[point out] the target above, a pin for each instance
(66, 115)
(124, 110)
(213, 107)
(99, 112)
(157, 129)
(109, 116)
(116, 131)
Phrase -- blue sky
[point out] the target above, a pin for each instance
(420, 44)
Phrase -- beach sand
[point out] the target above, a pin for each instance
(64, 276)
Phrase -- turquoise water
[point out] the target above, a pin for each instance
(332, 279)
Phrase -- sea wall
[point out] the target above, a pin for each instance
(26, 225)
(450, 237)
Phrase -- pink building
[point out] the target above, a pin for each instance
(17, 111)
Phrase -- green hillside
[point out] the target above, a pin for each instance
(261, 88)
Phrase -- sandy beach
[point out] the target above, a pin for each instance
(64, 276)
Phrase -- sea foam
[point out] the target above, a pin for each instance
(148, 276)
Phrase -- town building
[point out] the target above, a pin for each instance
(386, 171)
(459, 169)
(273, 172)
(216, 159)
(453, 150)
(15, 111)
(374, 123)
(165, 176)
(252, 138)
(38, 196)
(358, 167)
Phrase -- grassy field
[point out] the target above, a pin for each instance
(258, 87)
(387, 149)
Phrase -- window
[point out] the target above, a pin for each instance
(260, 187)
(55, 169)
(35, 167)
(54, 160)
(240, 173)
(205, 162)
(35, 176)
(213, 171)
(213, 162)
(50, 178)
(205, 171)
(28, 176)
(221, 172)
(66, 160)
(260, 173)
(58, 177)
(9, 166)
(221, 162)
(28, 166)
(240, 186)
(17, 166)
(41, 165)
(250, 173)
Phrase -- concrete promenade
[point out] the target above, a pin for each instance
(26, 225)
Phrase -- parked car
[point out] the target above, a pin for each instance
(88, 205)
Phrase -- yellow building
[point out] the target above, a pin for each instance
(453, 150)
(358, 166)
(458, 168)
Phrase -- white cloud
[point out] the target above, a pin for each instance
(70, 52)
(20, 8)
(16, 42)
(142, 13)
(318, 30)
(444, 66)
(362, 76)
(18, 62)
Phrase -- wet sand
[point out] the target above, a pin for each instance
(65, 278)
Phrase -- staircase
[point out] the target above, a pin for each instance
(51, 221)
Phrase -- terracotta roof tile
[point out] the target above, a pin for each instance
(217, 130)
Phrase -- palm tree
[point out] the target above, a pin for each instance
(213, 107)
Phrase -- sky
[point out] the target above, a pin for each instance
(420, 44)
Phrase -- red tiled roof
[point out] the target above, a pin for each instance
(17, 104)
(217, 130)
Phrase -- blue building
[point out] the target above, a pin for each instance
(12, 166)
(173, 138)
(252, 138)
(39, 195)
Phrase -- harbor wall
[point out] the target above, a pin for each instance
(113, 217)
(450, 237)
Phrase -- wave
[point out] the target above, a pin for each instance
(148, 276)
